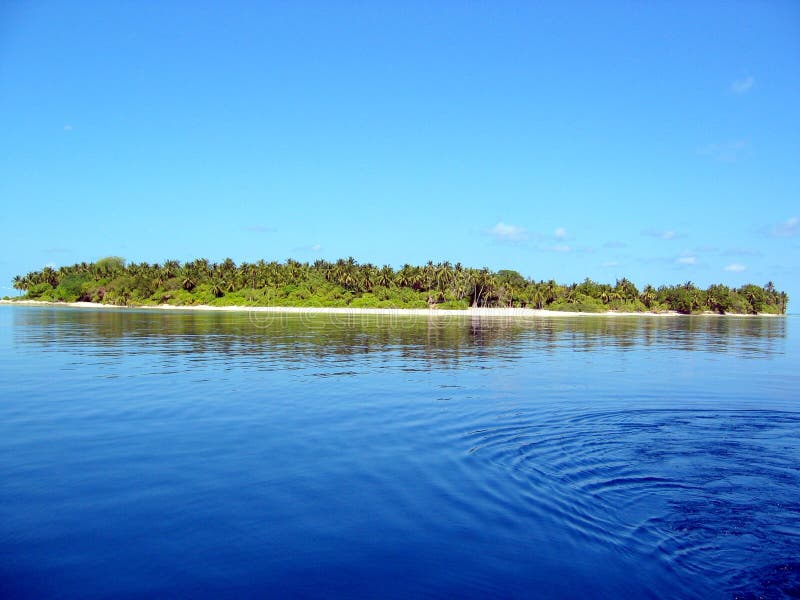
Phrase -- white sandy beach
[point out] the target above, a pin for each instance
(429, 312)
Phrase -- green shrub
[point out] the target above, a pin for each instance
(36, 291)
(180, 298)
(454, 305)
(365, 301)
(576, 307)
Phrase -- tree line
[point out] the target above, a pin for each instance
(346, 282)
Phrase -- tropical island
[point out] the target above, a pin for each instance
(348, 284)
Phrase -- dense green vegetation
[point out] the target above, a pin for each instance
(348, 283)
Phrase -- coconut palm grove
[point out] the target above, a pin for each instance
(346, 283)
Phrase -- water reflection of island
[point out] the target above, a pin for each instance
(437, 341)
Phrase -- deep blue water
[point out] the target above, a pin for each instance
(149, 454)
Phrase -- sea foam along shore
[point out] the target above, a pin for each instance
(482, 312)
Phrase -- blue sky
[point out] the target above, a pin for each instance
(657, 141)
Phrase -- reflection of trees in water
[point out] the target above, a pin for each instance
(436, 340)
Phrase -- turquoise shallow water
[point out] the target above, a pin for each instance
(224, 454)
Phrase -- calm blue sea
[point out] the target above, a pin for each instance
(187, 454)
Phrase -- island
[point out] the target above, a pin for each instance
(346, 283)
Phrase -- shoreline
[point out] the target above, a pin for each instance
(481, 312)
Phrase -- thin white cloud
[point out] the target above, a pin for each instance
(744, 85)
(664, 234)
(724, 151)
(503, 232)
(735, 268)
(687, 260)
(609, 263)
(67, 127)
(615, 244)
(560, 233)
(706, 249)
(561, 248)
(258, 228)
(789, 228)
(311, 248)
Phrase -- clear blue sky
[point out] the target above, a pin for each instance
(657, 141)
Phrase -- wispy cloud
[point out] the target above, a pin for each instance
(735, 268)
(561, 248)
(67, 127)
(257, 228)
(789, 228)
(744, 85)
(560, 233)
(706, 249)
(311, 248)
(503, 232)
(724, 151)
(615, 244)
(664, 234)
(609, 263)
(686, 260)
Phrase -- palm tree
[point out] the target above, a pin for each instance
(386, 276)
(536, 296)
(443, 275)
(648, 296)
(189, 281)
(572, 295)
(626, 289)
(50, 276)
(428, 275)
(484, 286)
(228, 266)
(403, 276)
(217, 288)
(551, 290)
(367, 274)
(171, 268)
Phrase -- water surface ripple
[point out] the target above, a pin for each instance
(223, 454)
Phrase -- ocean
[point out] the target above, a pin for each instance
(223, 454)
